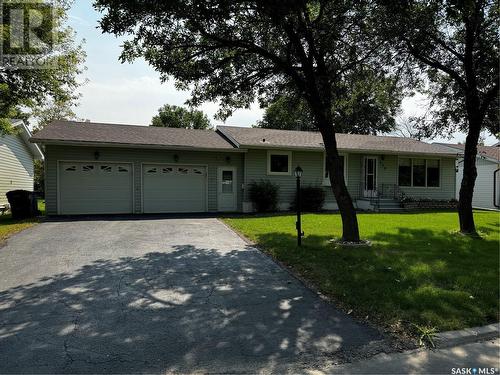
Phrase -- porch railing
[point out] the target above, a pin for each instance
(383, 191)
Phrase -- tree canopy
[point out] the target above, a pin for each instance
(368, 106)
(38, 91)
(172, 116)
(454, 46)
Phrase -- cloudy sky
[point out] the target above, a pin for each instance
(132, 93)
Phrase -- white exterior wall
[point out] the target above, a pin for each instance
(16, 166)
(483, 190)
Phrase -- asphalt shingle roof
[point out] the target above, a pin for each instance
(87, 132)
(492, 152)
(259, 137)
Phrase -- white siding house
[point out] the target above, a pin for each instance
(16, 161)
(487, 162)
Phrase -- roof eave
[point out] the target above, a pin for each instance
(26, 136)
(351, 150)
(132, 145)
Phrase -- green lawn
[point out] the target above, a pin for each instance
(8, 226)
(419, 270)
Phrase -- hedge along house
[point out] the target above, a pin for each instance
(96, 168)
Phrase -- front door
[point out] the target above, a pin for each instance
(370, 176)
(226, 189)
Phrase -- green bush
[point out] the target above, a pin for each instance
(312, 199)
(264, 195)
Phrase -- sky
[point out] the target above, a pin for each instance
(132, 93)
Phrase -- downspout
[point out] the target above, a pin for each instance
(495, 188)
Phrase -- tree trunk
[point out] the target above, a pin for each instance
(350, 229)
(465, 215)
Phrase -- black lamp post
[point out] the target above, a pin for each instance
(298, 174)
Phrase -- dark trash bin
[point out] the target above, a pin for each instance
(23, 204)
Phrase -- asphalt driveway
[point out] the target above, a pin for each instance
(160, 295)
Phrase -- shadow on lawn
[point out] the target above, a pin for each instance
(414, 275)
(183, 310)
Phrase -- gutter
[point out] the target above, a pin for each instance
(131, 145)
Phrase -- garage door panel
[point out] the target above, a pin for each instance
(95, 188)
(173, 188)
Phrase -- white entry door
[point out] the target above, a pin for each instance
(370, 176)
(226, 189)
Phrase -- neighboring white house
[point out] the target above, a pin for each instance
(16, 160)
(487, 163)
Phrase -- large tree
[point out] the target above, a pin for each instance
(368, 105)
(455, 45)
(234, 51)
(36, 90)
(173, 116)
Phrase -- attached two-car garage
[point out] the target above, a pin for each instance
(108, 188)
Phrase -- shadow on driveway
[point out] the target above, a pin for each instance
(183, 310)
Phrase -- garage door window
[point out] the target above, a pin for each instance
(71, 168)
(87, 168)
(151, 170)
(197, 171)
(183, 170)
(106, 168)
(168, 170)
(122, 169)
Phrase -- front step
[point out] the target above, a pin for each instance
(391, 209)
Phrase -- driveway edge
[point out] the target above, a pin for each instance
(466, 336)
(395, 343)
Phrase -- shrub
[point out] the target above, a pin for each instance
(264, 195)
(312, 199)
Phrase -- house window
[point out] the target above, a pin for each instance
(326, 178)
(404, 172)
(433, 173)
(419, 172)
(279, 163)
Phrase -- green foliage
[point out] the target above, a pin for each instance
(39, 177)
(172, 116)
(264, 195)
(425, 335)
(417, 271)
(312, 199)
(455, 45)
(31, 92)
(234, 52)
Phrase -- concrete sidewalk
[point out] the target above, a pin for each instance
(484, 357)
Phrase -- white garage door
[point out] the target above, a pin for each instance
(95, 188)
(174, 188)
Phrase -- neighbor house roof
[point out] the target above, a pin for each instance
(73, 132)
(25, 134)
(272, 138)
(491, 152)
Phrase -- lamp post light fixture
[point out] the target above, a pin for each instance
(298, 174)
